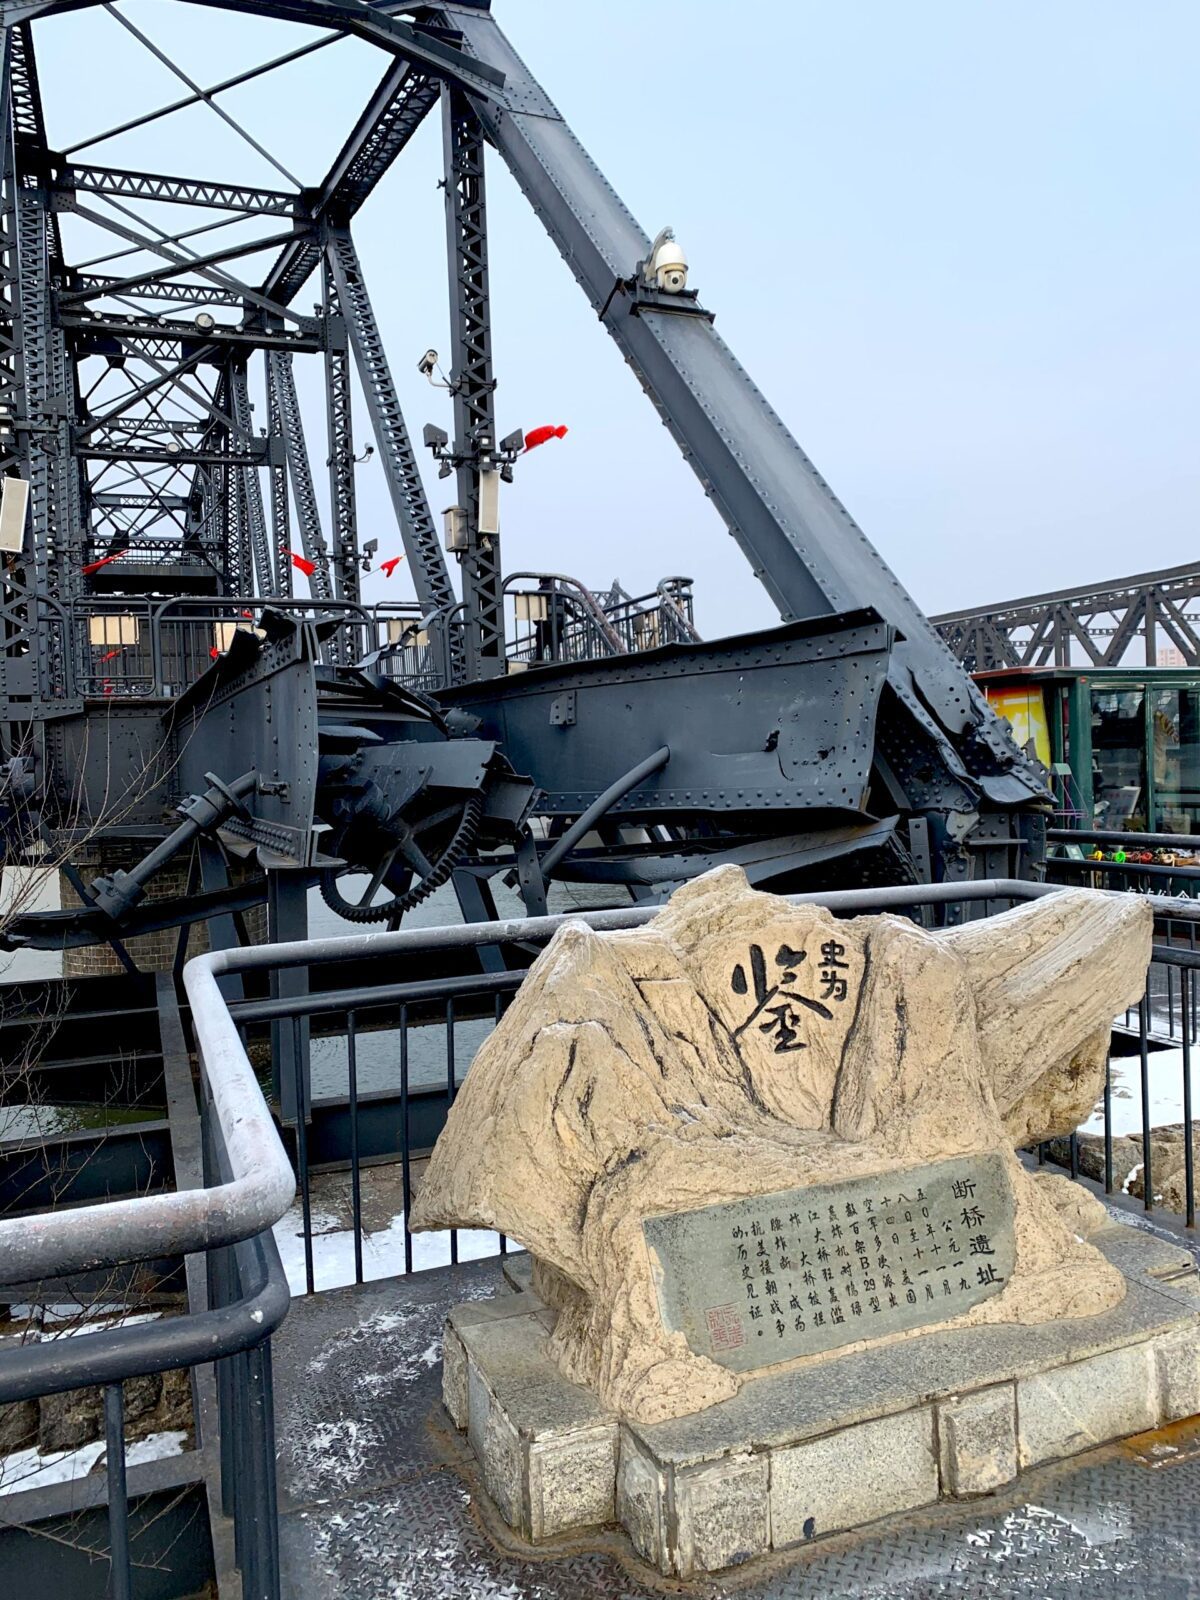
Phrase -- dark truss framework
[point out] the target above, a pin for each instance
(125, 395)
(1097, 625)
(125, 404)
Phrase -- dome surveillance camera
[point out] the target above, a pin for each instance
(669, 267)
(665, 267)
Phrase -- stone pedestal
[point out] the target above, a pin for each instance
(801, 1454)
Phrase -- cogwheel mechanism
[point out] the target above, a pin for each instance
(448, 834)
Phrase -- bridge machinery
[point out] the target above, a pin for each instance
(186, 734)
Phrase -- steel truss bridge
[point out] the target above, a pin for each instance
(171, 695)
(1097, 624)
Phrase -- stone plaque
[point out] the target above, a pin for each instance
(804, 1270)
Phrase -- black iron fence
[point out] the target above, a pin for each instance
(129, 648)
(444, 1020)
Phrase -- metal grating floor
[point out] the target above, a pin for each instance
(379, 1500)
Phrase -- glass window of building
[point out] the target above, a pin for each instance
(1175, 743)
(1119, 760)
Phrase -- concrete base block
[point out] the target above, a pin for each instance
(454, 1378)
(1077, 1407)
(853, 1476)
(1178, 1358)
(721, 1514)
(548, 1453)
(642, 1502)
(977, 1441)
(498, 1448)
(572, 1481)
(824, 1447)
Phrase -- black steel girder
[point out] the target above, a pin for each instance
(395, 112)
(471, 379)
(160, 329)
(801, 542)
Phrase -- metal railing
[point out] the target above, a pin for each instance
(233, 1181)
(145, 647)
(553, 618)
(646, 621)
(401, 1120)
(448, 1017)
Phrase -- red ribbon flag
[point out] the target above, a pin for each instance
(306, 566)
(537, 436)
(388, 567)
(94, 566)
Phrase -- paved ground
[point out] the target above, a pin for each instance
(380, 1501)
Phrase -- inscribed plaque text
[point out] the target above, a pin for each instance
(801, 1271)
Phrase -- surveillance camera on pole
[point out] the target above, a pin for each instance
(666, 266)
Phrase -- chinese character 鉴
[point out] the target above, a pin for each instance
(784, 1017)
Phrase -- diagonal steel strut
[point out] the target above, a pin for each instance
(430, 575)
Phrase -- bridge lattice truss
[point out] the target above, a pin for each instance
(125, 380)
(127, 383)
(1100, 626)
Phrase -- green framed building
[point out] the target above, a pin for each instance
(1122, 744)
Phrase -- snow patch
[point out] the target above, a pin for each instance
(1164, 1075)
(382, 1251)
(56, 1321)
(30, 1469)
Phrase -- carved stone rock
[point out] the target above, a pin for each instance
(741, 1047)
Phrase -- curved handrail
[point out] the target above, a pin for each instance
(671, 604)
(590, 604)
(113, 1354)
(148, 1227)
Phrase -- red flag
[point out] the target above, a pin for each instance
(94, 566)
(306, 566)
(213, 653)
(537, 436)
(388, 567)
(111, 656)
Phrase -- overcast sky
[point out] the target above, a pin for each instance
(956, 243)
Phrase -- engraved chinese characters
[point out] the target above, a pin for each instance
(777, 1005)
(788, 996)
(806, 1270)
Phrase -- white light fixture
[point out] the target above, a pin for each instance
(454, 521)
(531, 607)
(110, 631)
(489, 504)
(205, 321)
(14, 505)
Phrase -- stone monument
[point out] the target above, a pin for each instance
(786, 1272)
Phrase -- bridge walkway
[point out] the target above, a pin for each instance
(380, 1501)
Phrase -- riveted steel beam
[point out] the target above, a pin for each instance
(471, 380)
(178, 191)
